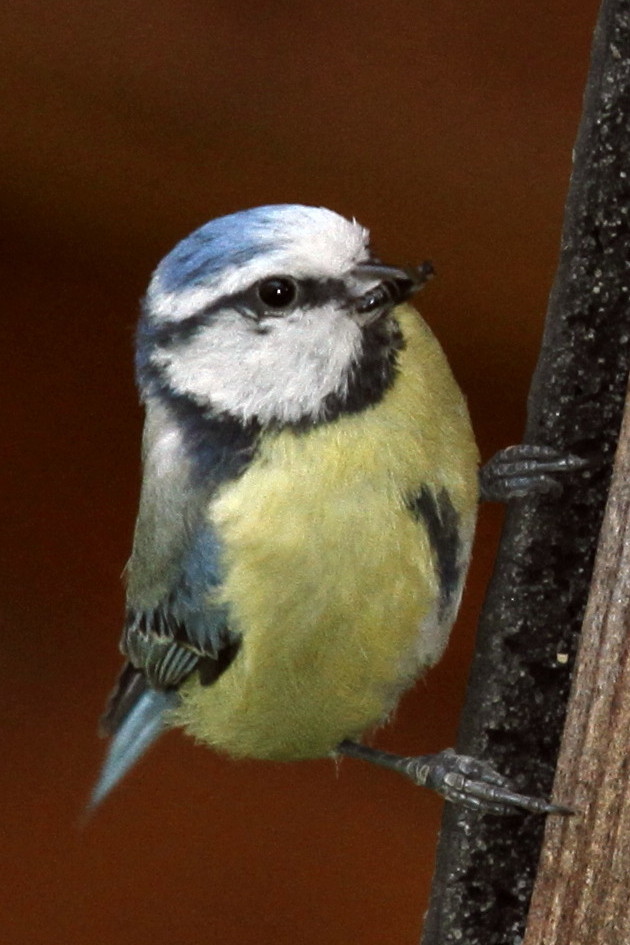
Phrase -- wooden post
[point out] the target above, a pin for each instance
(582, 891)
(530, 626)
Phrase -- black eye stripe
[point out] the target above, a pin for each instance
(311, 293)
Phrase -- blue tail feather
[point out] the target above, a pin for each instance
(142, 725)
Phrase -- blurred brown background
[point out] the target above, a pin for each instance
(446, 127)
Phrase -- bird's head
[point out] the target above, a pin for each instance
(276, 315)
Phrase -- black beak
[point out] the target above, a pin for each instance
(391, 285)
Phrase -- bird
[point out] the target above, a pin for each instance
(308, 504)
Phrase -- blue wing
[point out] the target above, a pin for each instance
(172, 629)
(163, 647)
(183, 630)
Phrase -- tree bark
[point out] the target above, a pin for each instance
(529, 629)
(581, 896)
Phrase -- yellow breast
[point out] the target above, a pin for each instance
(329, 578)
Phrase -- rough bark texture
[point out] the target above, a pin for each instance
(529, 630)
(581, 893)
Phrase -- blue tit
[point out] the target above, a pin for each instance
(309, 495)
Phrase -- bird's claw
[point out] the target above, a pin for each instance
(527, 469)
(474, 784)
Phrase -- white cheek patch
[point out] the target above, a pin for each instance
(283, 375)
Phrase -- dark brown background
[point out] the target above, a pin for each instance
(447, 128)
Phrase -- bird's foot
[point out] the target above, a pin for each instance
(527, 469)
(458, 778)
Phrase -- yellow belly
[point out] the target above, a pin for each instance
(330, 580)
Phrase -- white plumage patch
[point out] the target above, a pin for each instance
(282, 375)
(163, 443)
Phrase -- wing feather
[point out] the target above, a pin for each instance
(172, 626)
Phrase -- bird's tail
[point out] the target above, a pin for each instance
(135, 719)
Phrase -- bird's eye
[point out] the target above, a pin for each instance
(277, 292)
